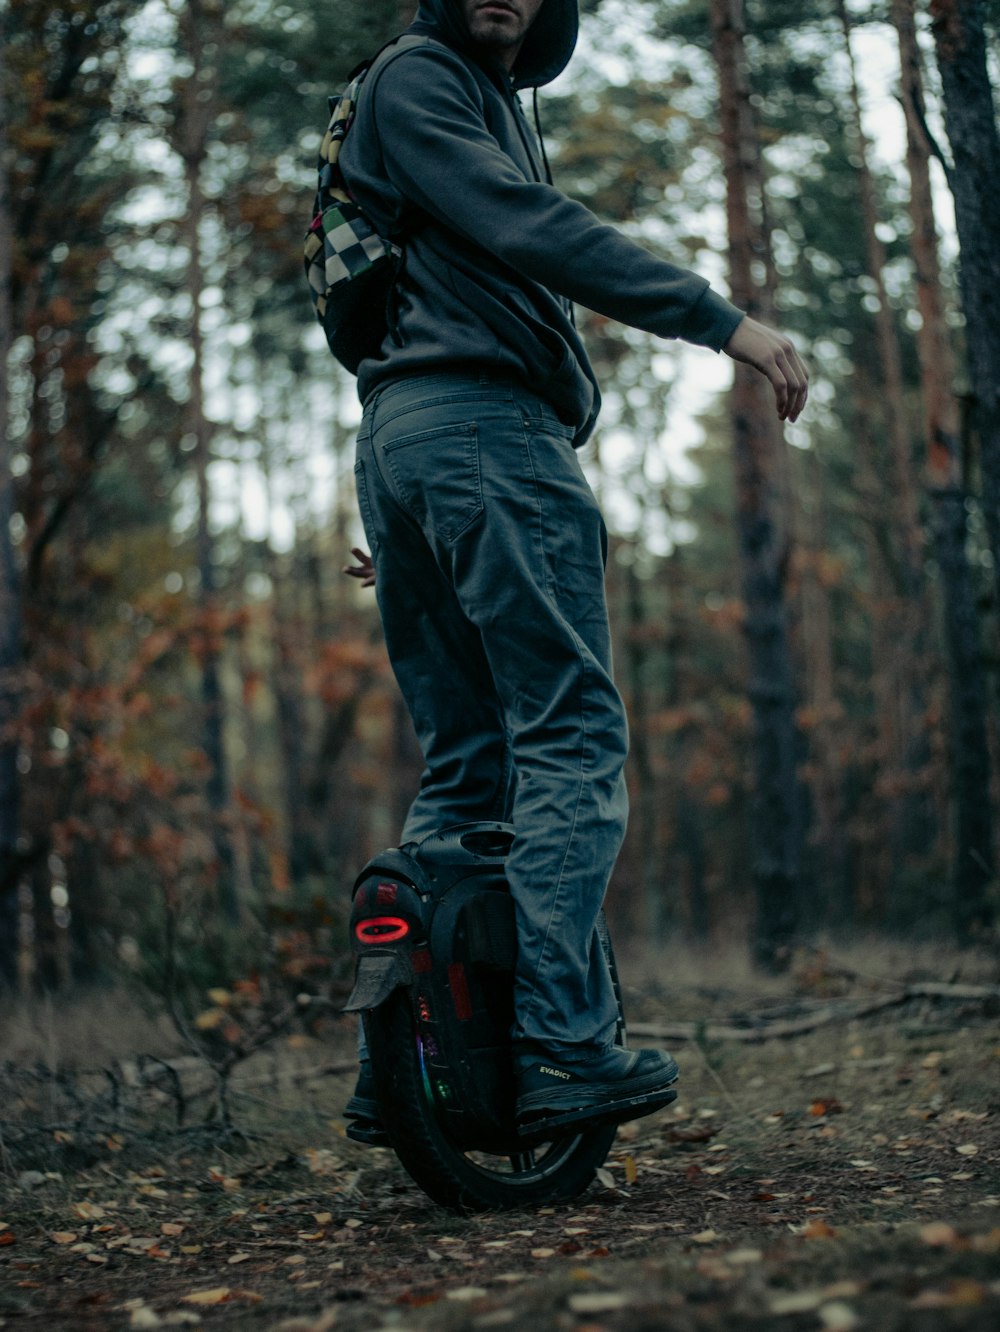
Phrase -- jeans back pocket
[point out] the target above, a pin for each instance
(436, 477)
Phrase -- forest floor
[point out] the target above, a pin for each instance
(844, 1178)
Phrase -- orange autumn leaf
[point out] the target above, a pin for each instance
(214, 1295)
(829, 1105)
(818, 1230)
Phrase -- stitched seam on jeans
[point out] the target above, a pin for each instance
(498, 807)
(556, 896)
(365, 507)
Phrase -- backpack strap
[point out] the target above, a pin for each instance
(343, 109)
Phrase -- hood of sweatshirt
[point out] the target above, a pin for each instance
(547, 47)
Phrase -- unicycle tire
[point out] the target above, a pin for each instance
(461, 1180)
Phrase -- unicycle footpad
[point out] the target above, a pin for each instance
(616, 1112)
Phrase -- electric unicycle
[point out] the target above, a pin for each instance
(434, 937)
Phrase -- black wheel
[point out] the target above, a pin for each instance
(458, 1178)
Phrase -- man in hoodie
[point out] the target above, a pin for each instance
(487, 541)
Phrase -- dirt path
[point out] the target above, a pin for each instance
(845, 1179)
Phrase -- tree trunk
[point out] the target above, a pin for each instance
(907, 609)
(972, 856)
(757, 445)
(824, 770)
(10, 600)
(197, 19)
(974, 178)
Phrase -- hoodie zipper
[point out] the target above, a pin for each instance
(523, 130)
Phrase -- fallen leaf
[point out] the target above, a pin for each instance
(7, 1237)
(967, 1149)
(838, 1317)
(466, 1293)
(542, 1253)
(797, 1301)
(215, 1295)
(705, 1237)
(87, 1211)
(744, 1256)
(210, 1019)
(631, 1170)
(606, 1178)
(828, 1105)
(171, 1228)
(818, 1230)
(144, 1317)
(598, 1301)
(938, 1234)
(963, 1292)
(322, 1218)
(696, 1133)
(228, 1182)
(62, 1236)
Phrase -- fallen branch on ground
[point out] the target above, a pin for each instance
(760, 1028)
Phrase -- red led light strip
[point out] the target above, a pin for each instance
(381, 929)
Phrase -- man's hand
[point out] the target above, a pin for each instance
(774, 356)
(364, 569)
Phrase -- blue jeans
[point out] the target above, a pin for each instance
(489, 550)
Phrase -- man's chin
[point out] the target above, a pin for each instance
(498, 27)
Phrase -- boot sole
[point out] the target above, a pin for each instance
(364, 1124)
(606, 1102)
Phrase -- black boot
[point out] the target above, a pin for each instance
(361, 1112)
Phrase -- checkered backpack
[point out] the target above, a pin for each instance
(350, 268)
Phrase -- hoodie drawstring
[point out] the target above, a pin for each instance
(538, 131)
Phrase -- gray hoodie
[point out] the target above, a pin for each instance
(441, 153)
